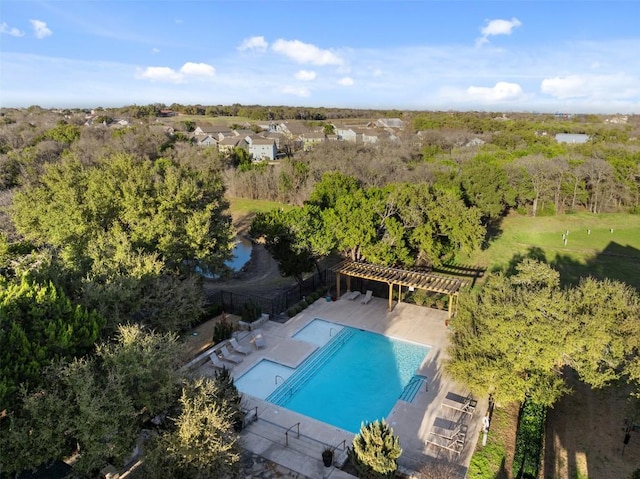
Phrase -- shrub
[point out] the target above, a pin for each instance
(251, 312)
(313, 297)
(526, 459)
(222, 330)
(375, 451)
(298, 308)
(303, 304)
(229, 392)
(291, 312)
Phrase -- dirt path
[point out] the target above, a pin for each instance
(259, 276)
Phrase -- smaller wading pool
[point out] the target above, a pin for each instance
(260, 380)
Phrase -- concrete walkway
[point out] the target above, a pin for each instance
(295, 442)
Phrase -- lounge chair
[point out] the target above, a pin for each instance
(367, 297)
(453, 445)
(258, 339)
(351, 296)
(460, 403)
(216, 361)
(233, 342)
(227, 356)
(448, 429)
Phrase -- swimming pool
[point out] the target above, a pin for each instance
(356, 376)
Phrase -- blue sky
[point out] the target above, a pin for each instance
(569, 56)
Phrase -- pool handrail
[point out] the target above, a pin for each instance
(286, 433)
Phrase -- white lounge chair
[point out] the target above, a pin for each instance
(227, 356)
(258, 339)
(233, 342)
(352, 295)
(367, 297)
(216, 361)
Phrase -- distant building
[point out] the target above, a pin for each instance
(572, 138)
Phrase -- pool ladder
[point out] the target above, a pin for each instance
(276, 378)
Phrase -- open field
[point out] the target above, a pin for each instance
(591, 247)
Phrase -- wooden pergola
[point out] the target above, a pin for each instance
(400, 277)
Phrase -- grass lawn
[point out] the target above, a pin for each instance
(591, 247)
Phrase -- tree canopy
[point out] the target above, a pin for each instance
(96, 403)
(163, 209)
(513, 337)
(39, 324)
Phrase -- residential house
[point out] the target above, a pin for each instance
(395, 123)
(311, 139)
(207, 140)
(353, 135)
(262, 148)
(203, 130)
(226, 145)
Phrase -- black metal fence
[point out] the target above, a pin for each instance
(233, 302)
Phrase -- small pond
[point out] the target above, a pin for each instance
(241, 253)
(241, 256)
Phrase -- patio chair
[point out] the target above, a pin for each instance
(448, 429)
(367, 297)
(238, 348)
(460, 403)
(227, 356)
(216, 361)
(258, 339)
(352, 295)
(453, 445)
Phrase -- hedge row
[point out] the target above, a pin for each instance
(526, 460)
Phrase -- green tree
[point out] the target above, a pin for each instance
(293, 256)
(512, 338)
(375, 451)
(202, 442)
(485, 185)
(94, 405)
(39, 324)
(177, 213)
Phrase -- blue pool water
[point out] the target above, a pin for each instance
(356, 376)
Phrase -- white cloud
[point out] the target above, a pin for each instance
(14, 32)
(169, 75)
(497, 27)
(254, 43)
(198, 69)
(305, 75)
(592, 86)
(502, 91)
(40, 29)
(160, 74)
(377, 72)
(155, 50)
(346, 81)
(306, 53)
(297, 91)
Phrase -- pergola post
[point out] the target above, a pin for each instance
(348, 283)
(399, 293)
(450, 306)
(390, 296)
(338, 286)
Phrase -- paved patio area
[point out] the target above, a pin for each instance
(296, 441)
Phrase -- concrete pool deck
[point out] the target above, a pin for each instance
(296, 441)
